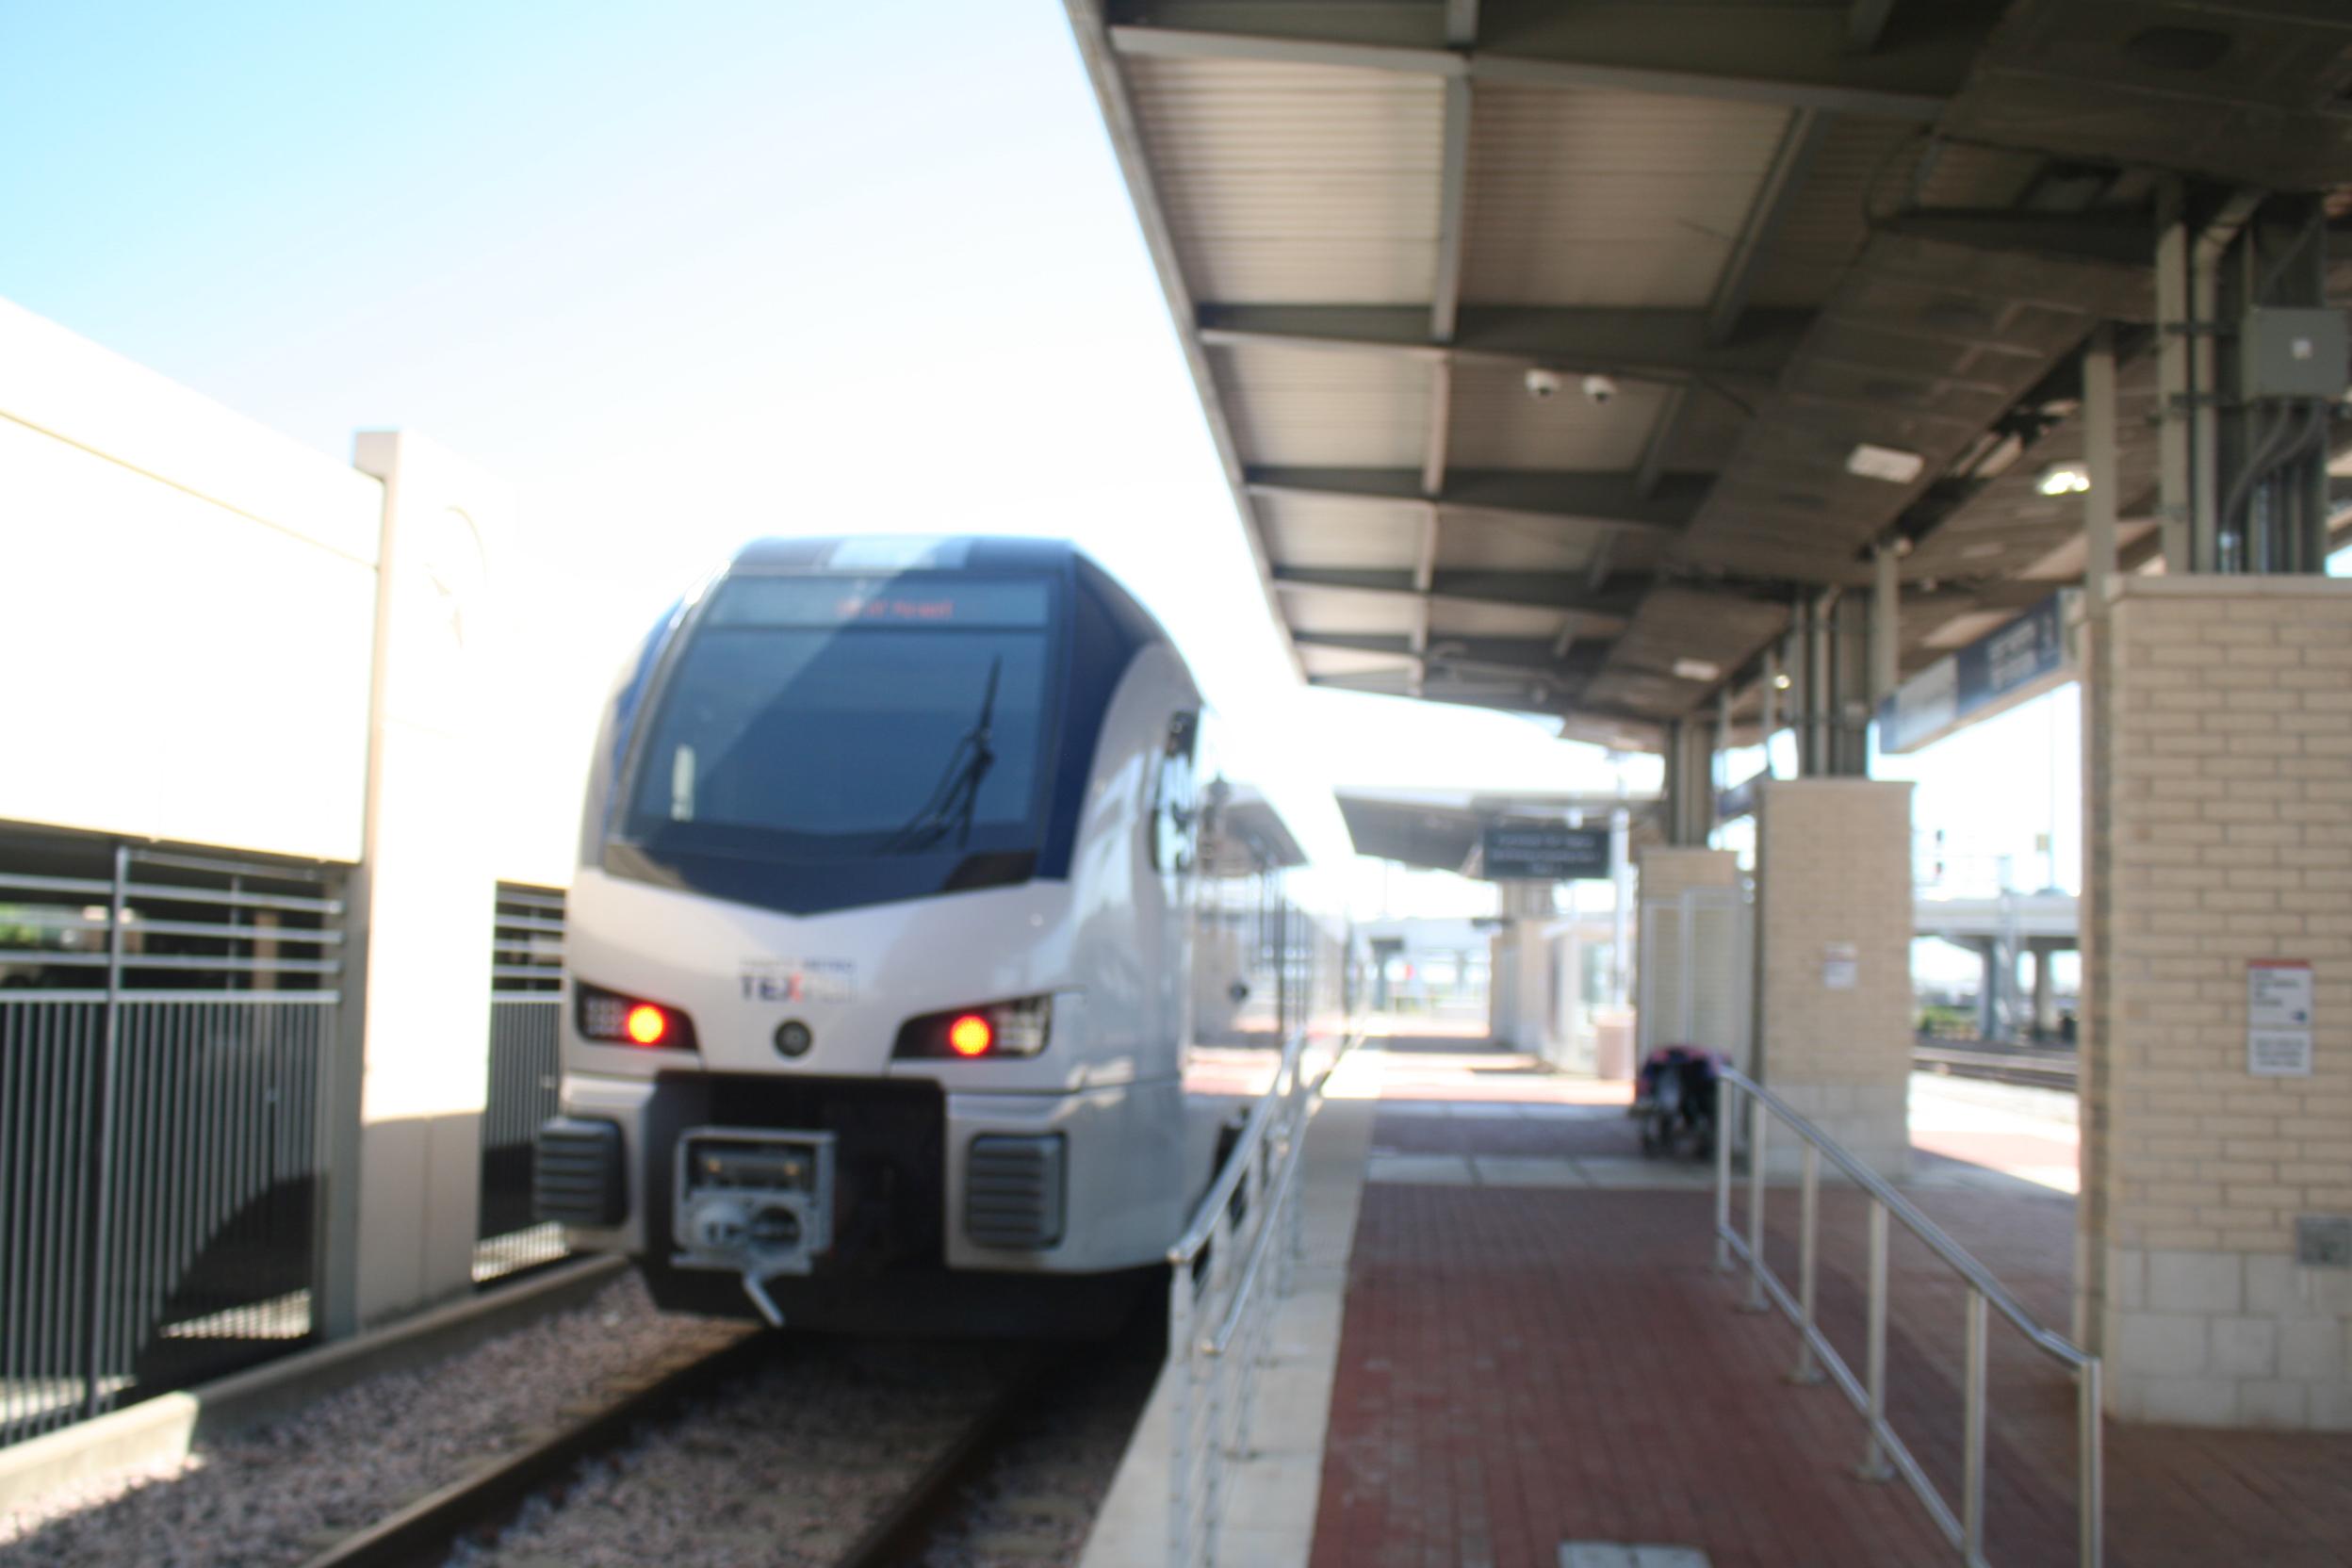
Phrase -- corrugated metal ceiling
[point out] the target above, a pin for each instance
(1756, 217)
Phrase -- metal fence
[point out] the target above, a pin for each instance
(165, 1024)
(526, 996)
(1885, 1452)
(1226, 1273)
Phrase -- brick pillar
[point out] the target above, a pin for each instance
(1832, 931)
(2218, 831)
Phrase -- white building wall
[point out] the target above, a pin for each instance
(191, 601)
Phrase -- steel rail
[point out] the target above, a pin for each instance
(2008, 1067)
(905, 1528)
(1965, 1526)
(424, 1529)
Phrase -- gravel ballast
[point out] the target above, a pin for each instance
(282, 1491)
(785, 1470)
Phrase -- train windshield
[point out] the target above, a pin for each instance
(822, 716)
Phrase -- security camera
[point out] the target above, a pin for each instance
(1543, 384)
(1599, 390)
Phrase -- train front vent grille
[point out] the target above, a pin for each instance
(1013, 1191)
(575, 1173)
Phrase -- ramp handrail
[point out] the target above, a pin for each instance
(1218, 1308)
(1966, 1530)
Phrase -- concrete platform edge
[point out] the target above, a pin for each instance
(1270, 1523)
(164, 1429)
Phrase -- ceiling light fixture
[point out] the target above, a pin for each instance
(1781, 683)
(2064, 479)
(1697, 669)
(1887, 462)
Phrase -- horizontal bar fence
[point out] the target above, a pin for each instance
(526, 999)
(165, 1029)
(1885, 1453)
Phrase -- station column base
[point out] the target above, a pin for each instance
(2214, 1258)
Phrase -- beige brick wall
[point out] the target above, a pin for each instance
(1666, 871)
(1834, 871)
(2217, 829)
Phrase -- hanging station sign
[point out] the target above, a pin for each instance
(1543, 853)
(2006, 666)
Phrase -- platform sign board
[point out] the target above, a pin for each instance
(2002, 668)
(1543, 853)
(2279, 1018)
(1741, 799)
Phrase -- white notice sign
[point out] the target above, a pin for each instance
(1839, 966)
(2279, 1018)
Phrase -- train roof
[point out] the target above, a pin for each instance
(905, 552)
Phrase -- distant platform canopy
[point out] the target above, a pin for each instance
(1442, 830)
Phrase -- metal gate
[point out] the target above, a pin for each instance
(166, 1021)
(526, 996)
(1697, 962)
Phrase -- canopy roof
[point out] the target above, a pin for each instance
(1781, 230)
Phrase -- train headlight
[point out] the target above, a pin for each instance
(610, 1017)
(1019, 1028)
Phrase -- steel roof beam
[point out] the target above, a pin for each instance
(1510, 658)
(1866, 22)
(1547, 495)
(1770, 55)
(1461, 29)
(1799, 141)
(2124, 238)
(1565, 592)
(1639, 345)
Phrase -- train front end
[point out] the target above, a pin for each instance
(872, 1011)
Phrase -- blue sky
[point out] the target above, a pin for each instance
(688, 274)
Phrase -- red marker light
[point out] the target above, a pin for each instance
(969, 1035)
(647, 1024)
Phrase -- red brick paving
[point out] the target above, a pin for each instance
(1523, 1366)
(1571, 1132)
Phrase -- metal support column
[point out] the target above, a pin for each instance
(2099, 467)
(1815, 624)
(1689, 777)
(1886, 623)
(1841, 629)
(2175, 388)
(1621, 917)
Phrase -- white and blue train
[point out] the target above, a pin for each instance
(927, 930)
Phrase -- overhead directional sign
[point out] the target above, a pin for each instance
(1544, 854)
(1998, 671)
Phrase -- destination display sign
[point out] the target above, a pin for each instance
(1544, 854)
(1998, 671)
(914, 600)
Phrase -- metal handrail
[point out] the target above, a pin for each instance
(1209, 1420)
(1867, 1395)
(1229, 1177)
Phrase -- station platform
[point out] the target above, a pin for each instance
(1527, 1348)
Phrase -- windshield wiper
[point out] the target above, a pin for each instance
(957, 796)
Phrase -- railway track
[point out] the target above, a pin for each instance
(497, 1512)
(2038, 1069)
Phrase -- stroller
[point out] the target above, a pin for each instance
(1674, 1100)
